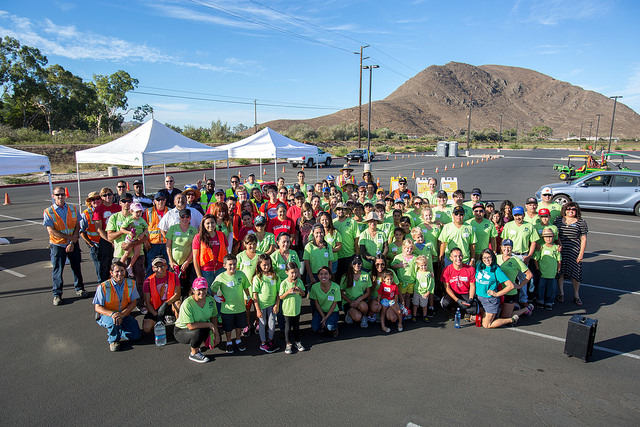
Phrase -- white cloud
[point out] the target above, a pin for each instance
(554, 12)
(631, 91)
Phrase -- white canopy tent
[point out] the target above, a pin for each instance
(149, 145)
(269, 144)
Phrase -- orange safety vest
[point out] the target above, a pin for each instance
(92, 230)
(59, 223)
(206, 253)
(156, 298)
(111, 300)
(153, 219)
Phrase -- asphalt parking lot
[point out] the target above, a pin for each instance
(56, 367)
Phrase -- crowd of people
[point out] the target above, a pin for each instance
(224, 263)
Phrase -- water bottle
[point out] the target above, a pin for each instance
(457, 319)
(478, 320)
(161, 334)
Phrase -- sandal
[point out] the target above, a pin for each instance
(560, 298)
(578, 301)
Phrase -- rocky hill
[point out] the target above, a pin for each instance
(436, 101)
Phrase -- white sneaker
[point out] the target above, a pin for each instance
(364, 323)
(299, 346)
(348, 319)
(288, 349)
(130, 271)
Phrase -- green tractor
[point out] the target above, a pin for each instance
(587, 162)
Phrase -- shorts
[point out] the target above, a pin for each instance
(151, 317)
(511, 299)
(406, 288)
(419, 300)
(490, 305)
(387, 303)
(234, 321)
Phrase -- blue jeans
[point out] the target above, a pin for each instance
(316, 321)
(58, 258)
(547, 290)
(156, 249)
(128, 329)
(96, 260)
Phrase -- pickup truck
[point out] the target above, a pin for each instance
(359, 154)
(321, 157)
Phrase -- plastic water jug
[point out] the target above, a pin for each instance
(161, 334)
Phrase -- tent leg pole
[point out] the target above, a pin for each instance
(50, 186)
(275, 166)
(214, 170)
(318, 170)
(260, 167)
(228, 172)
(144, 184)
(164, 167)
(78, 175)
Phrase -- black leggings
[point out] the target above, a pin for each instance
(292, 322)
(193, 337)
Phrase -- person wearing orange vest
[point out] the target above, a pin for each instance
(153, 216)
(89, 229)
(114, 301)
(63, 225)
(161, 293)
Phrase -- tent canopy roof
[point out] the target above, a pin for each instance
(268, 144)
(150, 144)
(14, 162)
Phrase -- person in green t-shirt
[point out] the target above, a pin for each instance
(356, 289)
(484, 230)
(283, 256)
(325, 296)
(291, 293)
(423, 289)
(317, 254)
(519, 274)
(547, 260)
(233, 285)
(441, 211)
(456, 234)
(372, 241)
(265, 295)
(348, 230)
(197, 321)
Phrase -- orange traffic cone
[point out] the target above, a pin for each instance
(264, 171)
(387, 157)
(6, 199)
(395, 157)
(471, 161)
(302, 167)
(422, 172)
(359, 161)
(436, 170)
(239, 174)
(204, 177)
(128, 189)
(414, 175)
(445, 168)
(283, 169)
(461, 164)
(467, 162)
(378, 182)
(66, 192)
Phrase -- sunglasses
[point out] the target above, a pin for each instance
(356, 263)
(125, 201)
(58, 194)
(478, 211)
(572, 210)
(107, 195)
(122, 186)
(169, 180)
(459, 213)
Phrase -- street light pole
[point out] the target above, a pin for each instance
(580, 137)
(590, 126)
(360, 97)
(469, 124)
(370, 68)
(598, 127)
(613, 117)
(500, 140)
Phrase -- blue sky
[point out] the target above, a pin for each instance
(296, 56)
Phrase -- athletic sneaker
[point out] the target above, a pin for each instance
(229, 348)
(371, 318)
(430, 312)
(387, 329)
(364, 323)
(129, 271)
(514, 319)
(265, 347)
(199, 358)
(273, 346)
(82, 293)
(400, 329)
(241, 346)
(413, 319)
(114, 346)
(57, 301)
(348, 319)
(548, 307)
(288, 350)
(426, 319)
(530, 308)
(246, 332)
(299, 346)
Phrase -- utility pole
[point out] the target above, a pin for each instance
(613, 117)
(597, 127)
(580, 137)
(500, 140)
(370, 68)
(590, 126)
(255, 115)
(516, 131)
(360, 97)
(469, 124)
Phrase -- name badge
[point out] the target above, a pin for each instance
(330, 298)
(394, 249)
(247, 263)
(273, 282)
(326, 254)
(512, 231)
(178, 233)
(281, 266)
(547, 253)
(230, 284)
(465, 235)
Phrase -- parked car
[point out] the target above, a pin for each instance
(607, 190)
(359, 154)
(309, 161)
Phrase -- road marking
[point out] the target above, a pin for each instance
(614, 256)
(622, 291)
(531, 158)
(613, 234)
(21, 219)
(611, 219)
(16, 226)
(15, 273)
(597, 347)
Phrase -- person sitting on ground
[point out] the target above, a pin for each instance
(161, 293)
(489, 276)
(388, 298)
(460, 286)
(325, 296)
(356, 289)
(114, 301)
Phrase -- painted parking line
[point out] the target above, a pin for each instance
(15, 273)
(551, 337)
(21, 219)
(614, 256)
(622, 291)
(17, 226)
(611, 219)
(613, 234)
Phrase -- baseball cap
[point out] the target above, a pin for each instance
(406, 196)
(399, 200)
(544, 212)
(442, 193)
(507, 242)
(126, 197)
(252, 174)
(490, 204)
(357, 259)
(458, 209)
(200, 283)
(137, 181)
(531, 200)
(299, 194)
(340, 205)
(546, 190)
(184, 213)
(330, 178)
(135, 207)
(160, 196)
(219, 190)
(478, 205)
(158, 260)
(518, 210)
(402, 180)
(476, 192)
(259, 220)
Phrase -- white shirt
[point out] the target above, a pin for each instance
(173, 217)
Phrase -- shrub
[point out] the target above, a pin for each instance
(243, 162)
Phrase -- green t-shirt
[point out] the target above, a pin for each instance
(326, 299)
(387, 227)
(115, 223)
(484, 232)
(522, 236)
(429, 250)
(406, 275)
(548, 258)
(349, 232)
(531, 220)
(431, 198)
(291, 303)
(442, 215)
(511, 268)
(267, 289)
(430, 234)
(555, 209)
(280, 265)
(414, 217)
(250, 187)
(394, 250)
(318, 257)
(248, 265)
(373, 244)
(139, 224)
(264, 244)
(333, 240)
(191, 312)
(424, 282)
(455, 237)
(232, 289)
(539, 227)
(358, 288)
(181, 242)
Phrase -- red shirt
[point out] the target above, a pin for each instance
(459, 280)
(276, 226)
(294, 213)
(388, 292)
(215, 245)
(268, 209)
(244, 231)
(102, 213)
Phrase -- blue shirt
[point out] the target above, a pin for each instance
(100, 299)
(62, 212)
(486, 279)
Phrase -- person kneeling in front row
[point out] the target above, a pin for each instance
(161, 292)
(114, 300)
